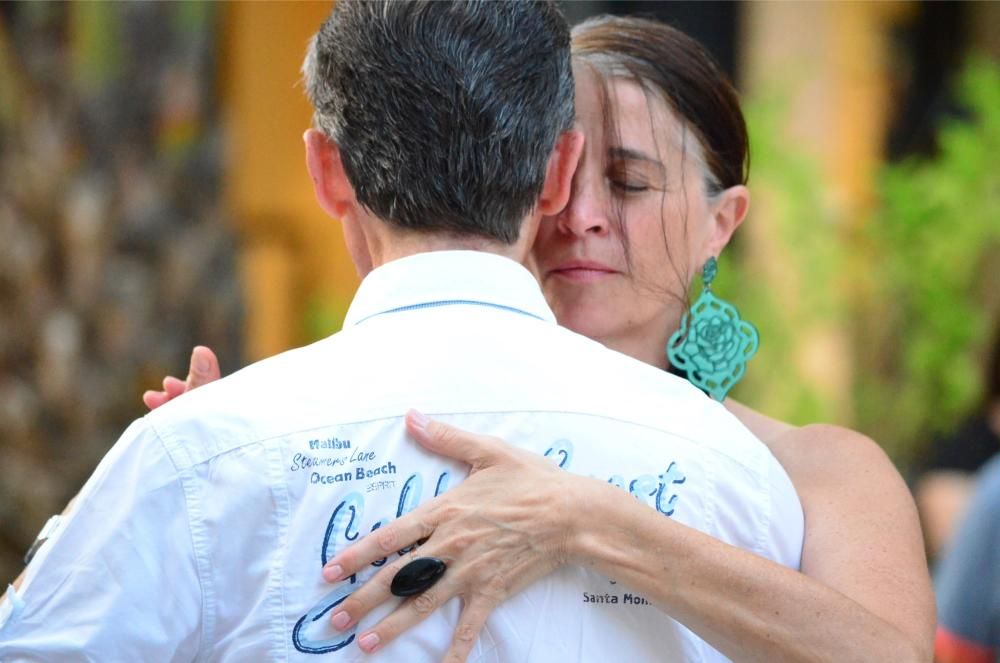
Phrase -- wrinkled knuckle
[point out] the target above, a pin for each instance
(448, 512)
(426, 528)
(387, 540)
(466, 633)
(462, 542)
(424, 603)
(495, 586)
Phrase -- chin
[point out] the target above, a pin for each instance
(590, 322)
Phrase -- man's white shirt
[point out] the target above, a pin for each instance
(202, 533)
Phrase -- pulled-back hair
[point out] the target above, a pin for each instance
(445, 113)
(678, 69)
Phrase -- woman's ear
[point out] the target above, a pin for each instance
(559, 173)
(333, 190)
(728, 212)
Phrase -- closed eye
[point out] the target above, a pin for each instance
(627, 187)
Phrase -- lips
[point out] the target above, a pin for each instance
(582, 271)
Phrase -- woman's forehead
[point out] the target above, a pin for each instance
(641, 118)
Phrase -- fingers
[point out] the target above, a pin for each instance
(172, 388)
(384, 541)
(154, 399)
(476, 450)
(376, 591)
(409, 613)
(414, 610)
(204, 368)
(471, 622)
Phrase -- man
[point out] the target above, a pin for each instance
(443, 138)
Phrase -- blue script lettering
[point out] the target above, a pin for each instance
(343, 526)
(563, 450)
(342, 530)
(643, 487)
(652, 490)
(671, 476)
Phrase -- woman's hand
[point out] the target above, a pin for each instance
(501, 529)
(204, 368)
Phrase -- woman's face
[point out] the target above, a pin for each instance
(636, 177)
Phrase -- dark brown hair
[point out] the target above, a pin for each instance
(666, 61)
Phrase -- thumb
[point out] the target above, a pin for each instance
(204, 368)
(479, 451)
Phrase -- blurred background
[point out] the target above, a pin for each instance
(153, 196)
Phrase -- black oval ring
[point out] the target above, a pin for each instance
(417, 576)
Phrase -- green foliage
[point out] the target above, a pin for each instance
(937, 219)
(803, 254)
(910, 288)
(323, 316)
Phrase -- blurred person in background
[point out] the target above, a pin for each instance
(943, 490)
(658, 192)
(968, 579)
(443, 139)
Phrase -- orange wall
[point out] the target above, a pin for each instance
(292, 254)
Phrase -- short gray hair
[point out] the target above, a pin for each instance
(445, 113)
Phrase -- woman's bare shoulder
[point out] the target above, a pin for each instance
(764, 427)
(820, 445)
(814, 448)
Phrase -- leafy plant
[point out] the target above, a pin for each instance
(910, 290)
(938, 219)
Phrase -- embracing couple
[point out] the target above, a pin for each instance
(496, 459)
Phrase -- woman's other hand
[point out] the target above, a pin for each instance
(204, 368)
(500, 530)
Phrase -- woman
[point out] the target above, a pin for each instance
(658, 192)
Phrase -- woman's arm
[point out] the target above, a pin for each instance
(869, 599)
(864, 592)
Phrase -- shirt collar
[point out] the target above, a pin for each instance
(440, 278)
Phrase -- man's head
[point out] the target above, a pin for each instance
(442, 116)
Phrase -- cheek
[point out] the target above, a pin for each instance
(657, 253)
(543, 241)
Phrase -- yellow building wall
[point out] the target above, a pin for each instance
(832, 59)
(293, 259)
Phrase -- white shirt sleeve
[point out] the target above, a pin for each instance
(118, 580)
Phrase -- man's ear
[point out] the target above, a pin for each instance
(336, 195)
(559, 173)
(728, 213)
(333, 190)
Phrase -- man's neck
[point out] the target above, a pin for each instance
(396, 250)
(386, 245)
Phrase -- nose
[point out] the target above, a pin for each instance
(587, 212)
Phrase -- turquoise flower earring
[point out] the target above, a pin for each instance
(713, 344)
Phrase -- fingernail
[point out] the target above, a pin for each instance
(341, 620)
(369, 642)
(419, 420)
(332, 573)
(201, 362)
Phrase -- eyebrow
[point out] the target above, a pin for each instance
(631, 154)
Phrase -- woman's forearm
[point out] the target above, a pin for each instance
(747, 607)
